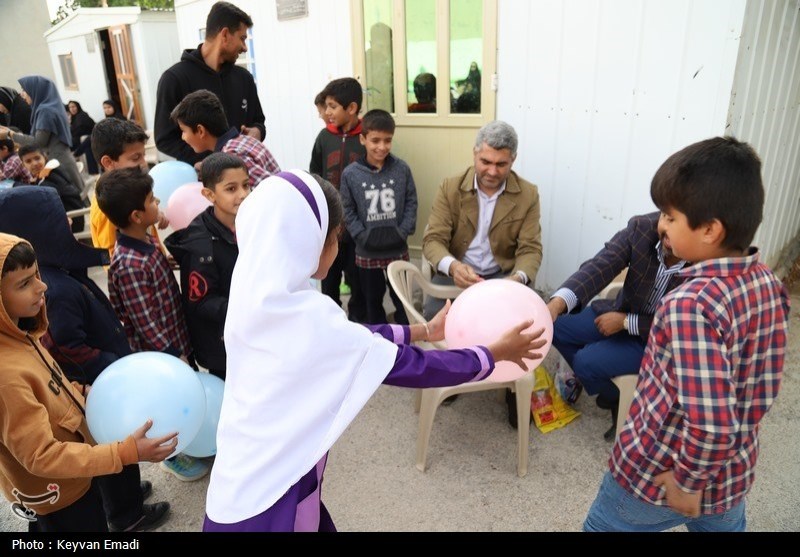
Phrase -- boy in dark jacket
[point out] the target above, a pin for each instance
(35, 161)
(84, 335)
(380, 209)
(206, 251)
(337, 146)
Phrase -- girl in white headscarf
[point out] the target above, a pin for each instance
(299, 371)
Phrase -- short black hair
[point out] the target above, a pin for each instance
(215, 164)
(28, 149)
(718, 178)
(334, 202)
(111, 135)
(344, 91)
(21, 256)
(204, 108)
(224, 15)
(8, 144)
(377, 120)
(121, 192)
(319, 100)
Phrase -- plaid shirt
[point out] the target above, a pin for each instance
(145, 295)
(711, 370)
(259, 161)
(367, 263)
(13, 169)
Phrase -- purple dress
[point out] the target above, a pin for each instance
(301, 508)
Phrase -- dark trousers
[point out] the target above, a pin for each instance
(345, 263)
(596, 358)
(85, 148)
(84, 515)
(373, 284)
(122, 495)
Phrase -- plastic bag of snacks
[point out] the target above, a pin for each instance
(548, 408)
(567, 384)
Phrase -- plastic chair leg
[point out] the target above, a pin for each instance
(524, 388)
(417, 400)
(430, 400)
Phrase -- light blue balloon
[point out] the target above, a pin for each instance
(168, 176)
(205, 442)
(142, 386)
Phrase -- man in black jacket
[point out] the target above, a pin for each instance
(212, 66)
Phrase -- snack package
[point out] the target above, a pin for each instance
(548, 408)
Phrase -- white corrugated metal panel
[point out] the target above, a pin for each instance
(294, 61)
(765, 112)
(601, 92)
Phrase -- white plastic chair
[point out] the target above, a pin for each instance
(403, 276)
(627, 386)
(86, 233)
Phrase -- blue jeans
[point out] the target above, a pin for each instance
(594, 357)
(616, 510)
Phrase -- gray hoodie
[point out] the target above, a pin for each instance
(380, 207)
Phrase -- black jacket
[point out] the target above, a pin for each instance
(85, 336)
(81, 124)
(232, 84)
(333, 150)
(206, 251)
(69, 194)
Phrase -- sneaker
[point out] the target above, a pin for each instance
(186, 468)
(146, 489)
(344, 289)
(152, 517)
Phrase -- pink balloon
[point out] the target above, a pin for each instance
(185, 204)
(484, 311)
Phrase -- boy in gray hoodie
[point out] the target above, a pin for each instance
(380, 208)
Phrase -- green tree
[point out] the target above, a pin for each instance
(70, 6)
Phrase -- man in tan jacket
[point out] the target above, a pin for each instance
(484, 222)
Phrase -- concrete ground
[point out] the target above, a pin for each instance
(471, 484)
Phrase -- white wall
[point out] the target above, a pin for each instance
(601, 92)
(294, 61)
(765, 112)
(155, 45)
(24, 48)
(89, 72)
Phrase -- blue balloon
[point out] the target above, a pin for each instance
(168, 176)
(142, 386)
(205, 442)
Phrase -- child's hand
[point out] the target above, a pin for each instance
(436, 324)
(163, 221)
(515, 345)
(154, 450)
(680, 501)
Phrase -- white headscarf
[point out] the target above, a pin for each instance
(298, 371)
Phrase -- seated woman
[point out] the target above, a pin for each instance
(81, 125)
(112, 110)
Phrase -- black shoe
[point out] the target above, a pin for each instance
(611, 433)
(511, 401)
(152, 517)
(606, 403)
(146, 488)
(449, 400)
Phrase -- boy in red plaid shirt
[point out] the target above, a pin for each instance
(204, 127)
(141, 285)
(714, 358)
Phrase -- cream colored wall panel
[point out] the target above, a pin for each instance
(765, 111)
(602, 91)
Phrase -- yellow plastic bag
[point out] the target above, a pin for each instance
(548, 408)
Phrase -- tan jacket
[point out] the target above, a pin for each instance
(47, 455)
(515, 235)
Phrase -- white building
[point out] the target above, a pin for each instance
(117, 53)
(600, 91)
